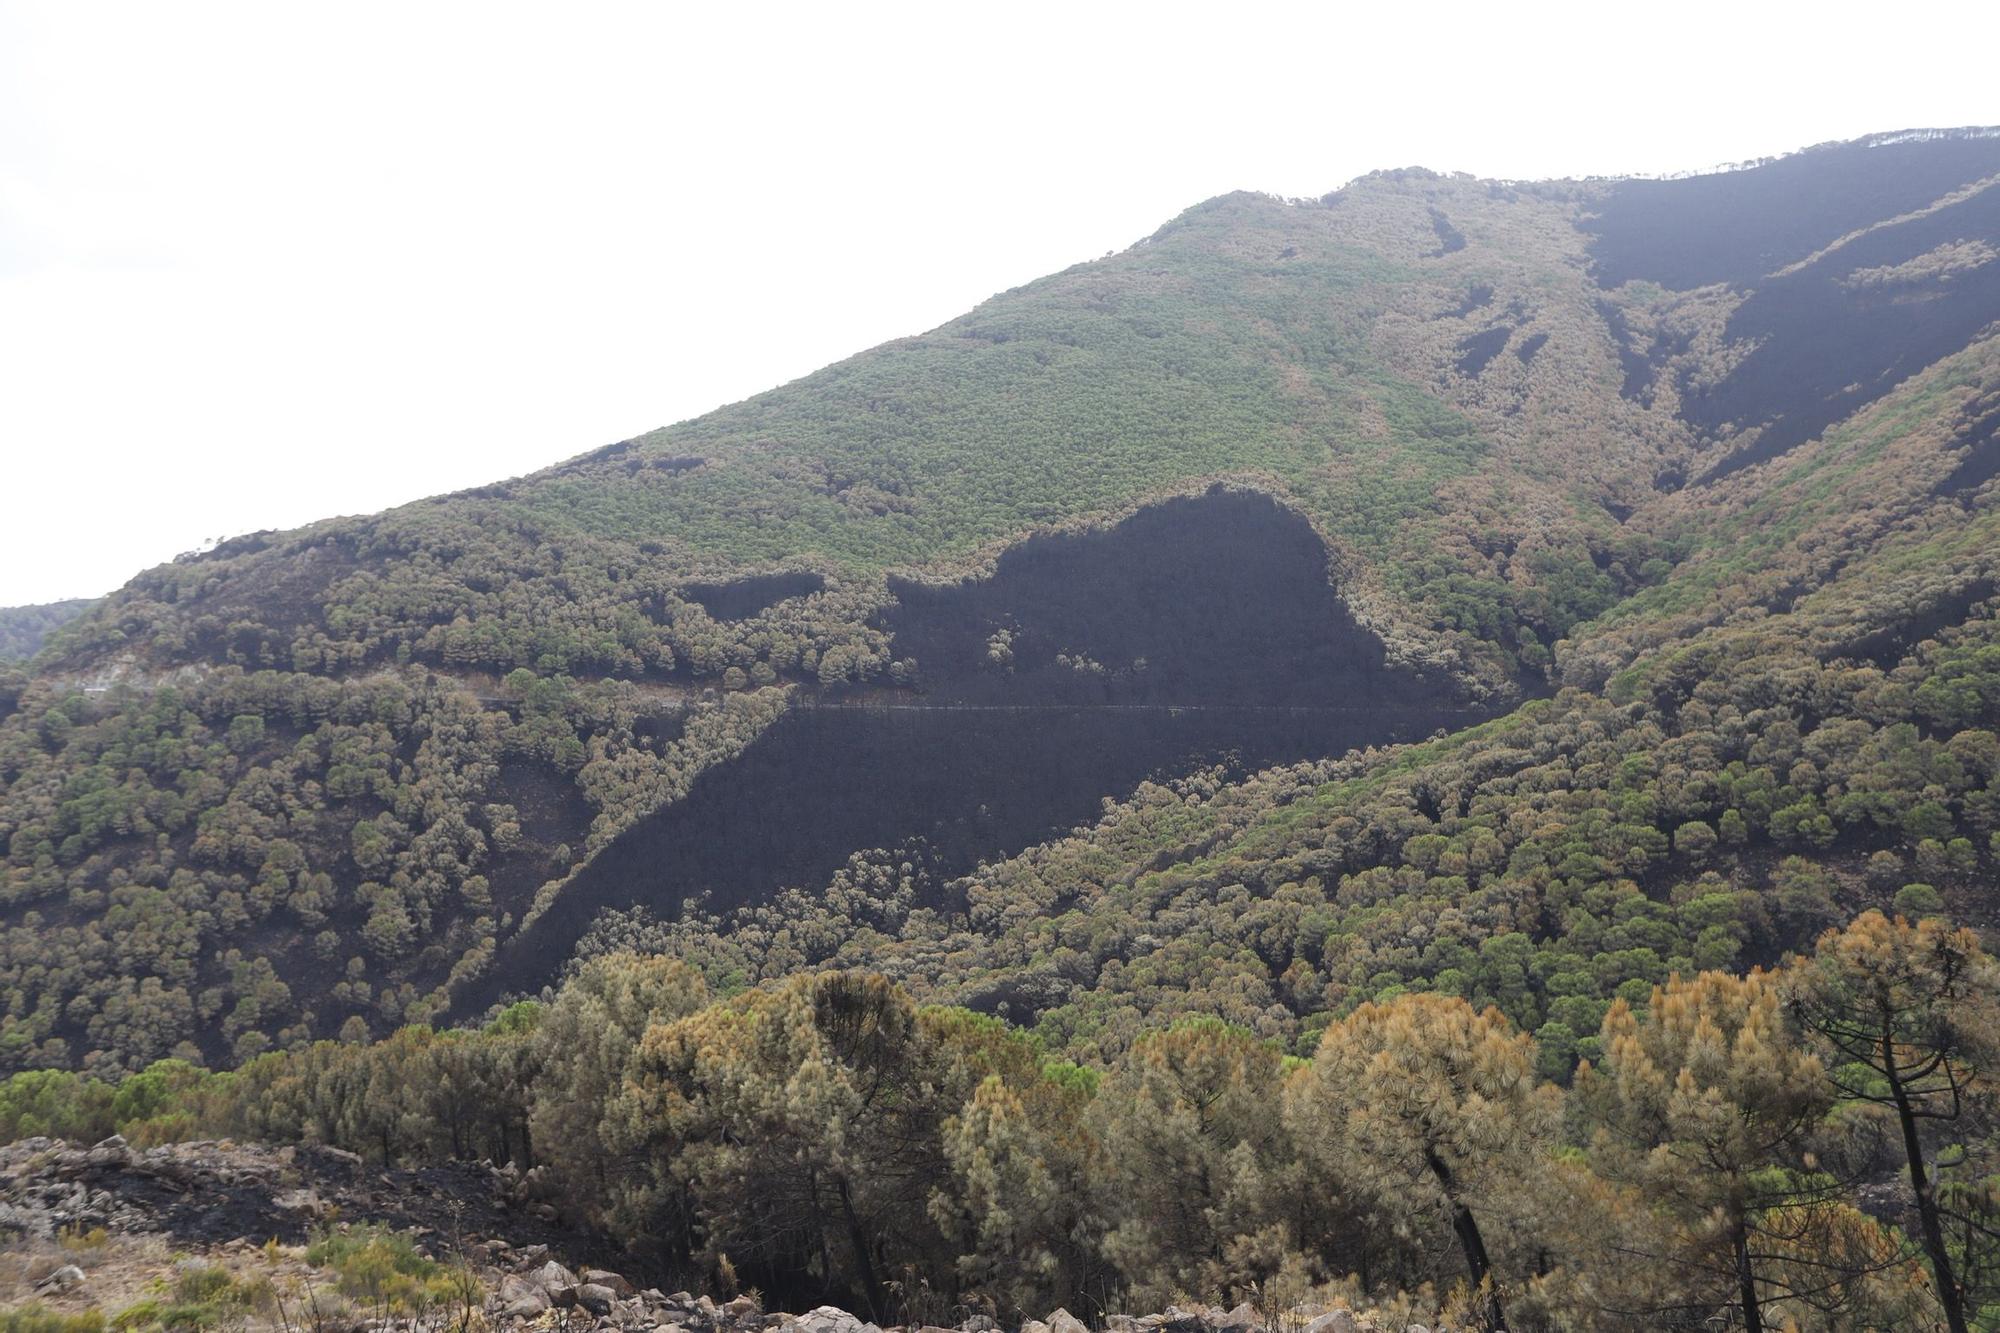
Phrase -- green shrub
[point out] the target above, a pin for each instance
(383, 1269)
(37, 1318)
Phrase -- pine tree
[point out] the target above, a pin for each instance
(583, 1049)
(1435, 1109)
(1197, 1159)
(1018, 1205)
(804, 1125)
(1909, 1016)
(1706, 1104)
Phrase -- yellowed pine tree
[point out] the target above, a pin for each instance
(1434, 1108)
(1908, 1015)
(1196, 1161)
(1707, 1104)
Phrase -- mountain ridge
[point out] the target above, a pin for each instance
(331, 773)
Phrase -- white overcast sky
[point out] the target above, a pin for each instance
(265, 262)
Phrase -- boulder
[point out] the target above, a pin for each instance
(743, 1307)
(1242, 1317)
(1062, 1321)
(1122, 1323)
(67, 1278)
(552, 1277)
(596, 1298)
(1334, 1321)
(109, 1152)
(337, 1158)
(296, 1201)
(601, 1277)
(1034, 1326)
(518, 1296)
(829, 1319)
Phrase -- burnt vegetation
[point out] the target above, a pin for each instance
(1121, 743)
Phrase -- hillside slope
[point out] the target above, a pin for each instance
(23, 629)
(947, 596)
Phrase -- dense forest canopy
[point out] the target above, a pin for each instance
(1616, 564)
(23, 629)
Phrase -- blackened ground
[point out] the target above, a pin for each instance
(1979, 438)
(1632, 360)
(1738, 226)
(204, 1194)
(743, 598)
(1200, 631)
(1477, 350)
(1827, 346)
(1450, 239)
(1223, 599)
(1641, 364)
(1476, 297)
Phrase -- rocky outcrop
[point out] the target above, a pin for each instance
(209, 1193)
(222, 1198)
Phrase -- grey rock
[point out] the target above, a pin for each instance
(552, 1277)
(109, 1152)
(598, 1299)
(829, 1319)
(1334, 1321)
(340, 1155)
(521, 1296)
(1035, 1326)
(1062, 1321)
(67, 1278)
(1243, 1316)
(602, 1277)
(297, 1201)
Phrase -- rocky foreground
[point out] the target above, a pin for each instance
(120, 1234)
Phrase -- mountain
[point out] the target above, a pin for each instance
(23, 629)
(1520, 587)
